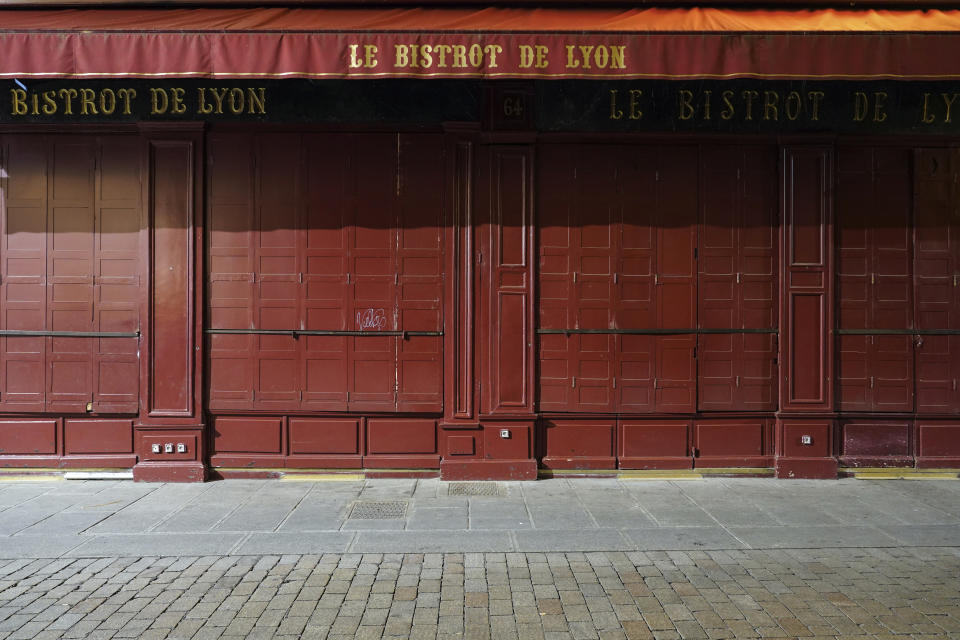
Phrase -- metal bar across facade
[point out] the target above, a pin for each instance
(16, 333)
(652, 332)
(897, 332)
(313, 332)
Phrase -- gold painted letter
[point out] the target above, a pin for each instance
(615, 113)
(18, 99)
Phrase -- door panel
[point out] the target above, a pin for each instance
(937, 278)
(232, 274)
(23, 297)
(70, 261)
(72, 220)
(338, 233)
(617, 241)
(116, 274)
(737, 278)
(328, 219)
(277, 269)
(419, 265)
(875, 289)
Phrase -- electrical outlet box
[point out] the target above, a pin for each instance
(806, 440)
(505, 433)
(158, 448)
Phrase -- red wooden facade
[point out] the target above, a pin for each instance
(485, 304)
(489, 296)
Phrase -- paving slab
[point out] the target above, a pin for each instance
(816, 537)
(593, 539)
(683, 538)
(157, 544)
(298, 543)
(943, 535)
(65, 522)
(430, 542)
(46, 546)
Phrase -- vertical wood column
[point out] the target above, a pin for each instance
(507, 322)
(171, 411)
(460, 394)
(805, 438)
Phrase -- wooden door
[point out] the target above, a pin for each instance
(71, 248)
(326, 272)
(875, 291)
(737, 281)
(937, 279)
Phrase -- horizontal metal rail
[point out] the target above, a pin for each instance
(651, 332)
(16, 333)
(321, 332)
(897, 332)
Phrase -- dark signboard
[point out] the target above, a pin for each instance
(702, 106)
(749, 106)
(293, 101)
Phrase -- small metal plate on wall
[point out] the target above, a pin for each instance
(475, 489)
(387, 510)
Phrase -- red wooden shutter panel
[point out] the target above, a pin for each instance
(875, 279)
(117, 274)
(276, 307)
(230, 264)
(23, 298)
(70, 268)
(420, 273)
(328, 172)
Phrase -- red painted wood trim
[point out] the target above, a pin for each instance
(171, 368)
(806, 344)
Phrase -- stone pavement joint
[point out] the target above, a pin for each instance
(868, 593)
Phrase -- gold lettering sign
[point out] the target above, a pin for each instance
(162, 101)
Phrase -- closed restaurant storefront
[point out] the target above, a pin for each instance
(492, 243)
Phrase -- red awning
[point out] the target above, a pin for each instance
(486, 43)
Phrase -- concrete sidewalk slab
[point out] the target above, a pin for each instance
(814, 537)
(299, 543)
(156, 544)
(112, 518)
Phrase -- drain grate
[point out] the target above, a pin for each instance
(388, 510)
(474, 489)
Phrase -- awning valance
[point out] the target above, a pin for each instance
(486, 43)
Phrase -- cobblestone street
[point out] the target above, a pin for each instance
(579, 559)
(845, 593)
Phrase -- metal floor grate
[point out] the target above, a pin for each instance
(474, 489)
(387, 510)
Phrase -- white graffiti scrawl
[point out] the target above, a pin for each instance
(371, 319)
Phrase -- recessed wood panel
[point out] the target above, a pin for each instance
(792, 437)
(807, 212)
(876, 439)
(514, 447)
(729, 439)
(311, 436)
(653, 439)
(385, 436)
(807, 377)
(97, 436)
(461, 445)
(247, 435)
(28, 437)
(938, 440)
(579, 439)
(171, 373)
